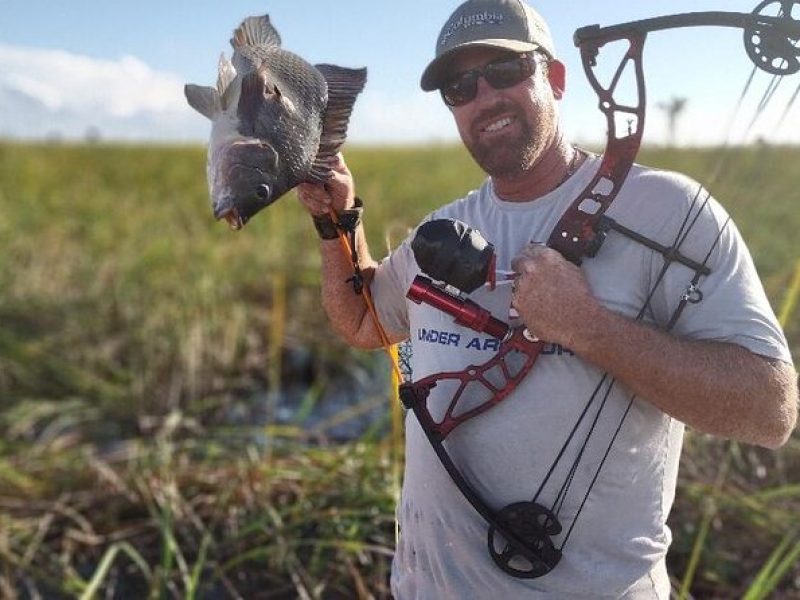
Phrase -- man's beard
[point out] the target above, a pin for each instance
(511, 157)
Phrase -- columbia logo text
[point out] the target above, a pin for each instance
(469, 21)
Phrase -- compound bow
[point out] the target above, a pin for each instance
(521, 537)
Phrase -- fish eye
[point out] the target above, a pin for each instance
(262, 191)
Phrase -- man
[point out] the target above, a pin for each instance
(724, 367)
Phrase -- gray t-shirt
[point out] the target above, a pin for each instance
(620, 539)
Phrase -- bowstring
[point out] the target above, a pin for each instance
(787, 110)
(672, 322)
(679, 239)
(725, 149)
(766, 99)
(796, 93)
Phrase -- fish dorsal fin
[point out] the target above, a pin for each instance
(255, 31)
(203, 99)
(344, 86)
(225, 73)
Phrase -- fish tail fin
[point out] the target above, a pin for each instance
(255, 31)
(344, 86)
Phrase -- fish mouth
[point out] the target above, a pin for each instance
(232, 216)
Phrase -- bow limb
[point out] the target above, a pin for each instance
(769, 40)
(533, 547)
(579, 232)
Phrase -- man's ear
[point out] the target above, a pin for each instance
(557, 74)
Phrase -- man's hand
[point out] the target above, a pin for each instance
(715, 387)
(337, 194)
(552, 296)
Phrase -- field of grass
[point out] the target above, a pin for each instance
(132, 326)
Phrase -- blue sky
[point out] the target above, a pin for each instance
(120, 66)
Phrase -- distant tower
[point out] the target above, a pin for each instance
(92, 135)
(673, 108)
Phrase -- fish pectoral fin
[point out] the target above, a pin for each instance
(256, 31)
(255, 91)
(203, 99)
(344, 86)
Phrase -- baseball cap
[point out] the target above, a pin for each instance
(506, 24)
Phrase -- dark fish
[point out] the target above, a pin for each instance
(277, 121)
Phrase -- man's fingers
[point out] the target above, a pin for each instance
(336, 193)
(531, 255)
(338, 183)
(523, 264)
(341, 166)
(314, 197)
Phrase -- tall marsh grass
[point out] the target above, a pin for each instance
(133, 329)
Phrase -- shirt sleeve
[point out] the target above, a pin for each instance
(389, 287)
(727, 305)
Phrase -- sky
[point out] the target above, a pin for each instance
(117, 69)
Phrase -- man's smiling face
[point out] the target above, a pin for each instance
(505, 130)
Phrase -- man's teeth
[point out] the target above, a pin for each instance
(498, 124)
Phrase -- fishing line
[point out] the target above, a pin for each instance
(349, 249)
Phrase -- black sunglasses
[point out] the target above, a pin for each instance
(499, 74)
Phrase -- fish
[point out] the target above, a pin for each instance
(276, 121)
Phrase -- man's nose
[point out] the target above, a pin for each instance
(485, 92)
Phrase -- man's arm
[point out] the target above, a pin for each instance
(346, 310)
(714, 387)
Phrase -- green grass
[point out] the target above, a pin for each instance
(130, 322)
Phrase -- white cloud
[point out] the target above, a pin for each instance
(47, 92)
(38, 91)
(55, 93)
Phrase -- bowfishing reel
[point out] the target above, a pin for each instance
(461, 260)
(450, 251)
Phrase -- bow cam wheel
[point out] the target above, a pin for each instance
(775, 49)
(531, 553)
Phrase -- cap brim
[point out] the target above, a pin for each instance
(433, 76)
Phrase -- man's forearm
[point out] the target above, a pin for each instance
(714, 387)
(346, 310)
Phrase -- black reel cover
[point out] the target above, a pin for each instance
(451, 251)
